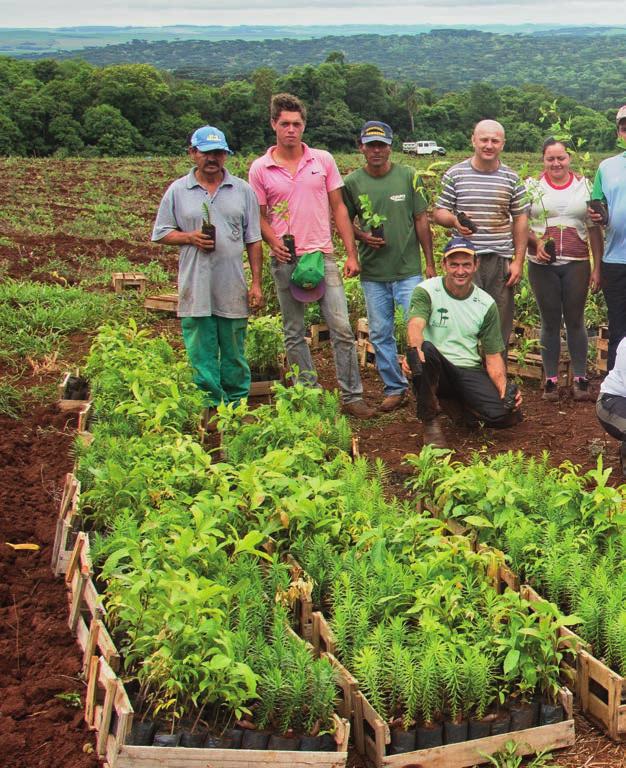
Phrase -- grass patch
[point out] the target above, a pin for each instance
(10, 400)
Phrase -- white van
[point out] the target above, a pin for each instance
(422, 148)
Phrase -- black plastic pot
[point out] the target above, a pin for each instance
(289, 242)
(164, 739)
(284, 743)
(209, 229)
(550, 248)
(478, 729)
(522, 717)
(465, 221)
(501, 724)
(402, 741)
(378, 231)
(192, 740)
(429, 736)
(216, 742)
(324, 743)
(76, 388)
(255, 740)
(550, 714)
(453, 732)
(142, 733)
(231, 738)
(599, 206)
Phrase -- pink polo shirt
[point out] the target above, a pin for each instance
(306, 193)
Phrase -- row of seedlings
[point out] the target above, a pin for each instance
(397, 599)
(563, 533)
(172, 572)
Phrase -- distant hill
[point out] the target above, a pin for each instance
(577, 62)
(29, 42)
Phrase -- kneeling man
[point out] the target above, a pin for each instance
(449, 318)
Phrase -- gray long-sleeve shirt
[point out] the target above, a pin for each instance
(211, 283)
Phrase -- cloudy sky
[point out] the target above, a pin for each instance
(42, 13)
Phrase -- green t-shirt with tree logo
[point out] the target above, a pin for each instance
(457, 326)
(398, 195)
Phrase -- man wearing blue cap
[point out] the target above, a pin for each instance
(451, 320)
(213, 216)
(390, 264)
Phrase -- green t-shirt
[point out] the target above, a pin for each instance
(396, 197)
(457, 326)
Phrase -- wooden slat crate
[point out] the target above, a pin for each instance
(84, 417)
(372, 736)
(365, 350)
(67, 525)
(168, 302)
(124, 280)
(602, 349)
(86, 611)
(602, 694)
(532, 367)
(318, 335)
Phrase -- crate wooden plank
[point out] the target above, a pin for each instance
(100, 640)
(168, 302)
(68, 511)
(532, 368)
(371, 732)
(84, 416)
(179, 757)
(469, 753)
(124, 280)
(607, 709)
(317, 335)
(262, 388)
(348, 684)
(323, 638)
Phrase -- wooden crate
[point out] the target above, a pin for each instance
(85, 415)
(318, 335)
(532, 368)
(602, 694)
(372, 736)
(63, 402)
(262, 388)
(124, 280)
(168, 302)
(67, 525)
(86, 611)
(365, 350)
(602, 349)
(523, 331)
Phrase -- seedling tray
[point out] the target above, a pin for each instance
(167, 302)
(372, 735)
(64, 403)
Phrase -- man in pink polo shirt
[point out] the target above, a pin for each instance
(298, 187)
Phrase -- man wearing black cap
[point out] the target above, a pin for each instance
(390, 261)
(450, 318)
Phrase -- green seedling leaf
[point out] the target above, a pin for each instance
(477, 521)
(511, 661)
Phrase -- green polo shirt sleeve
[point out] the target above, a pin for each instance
(490, 334)
(597, 192)
(421, 304)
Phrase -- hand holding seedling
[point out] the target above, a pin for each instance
(200, 240)
(371, 240)
(542, 254)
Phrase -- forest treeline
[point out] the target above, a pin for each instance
(71, 107)
(587, 67)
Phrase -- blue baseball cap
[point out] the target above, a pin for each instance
(374, 130)
(209, 138)
(459, 245)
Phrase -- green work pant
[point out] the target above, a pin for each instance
(215, 346)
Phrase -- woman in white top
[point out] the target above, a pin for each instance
(558, 263)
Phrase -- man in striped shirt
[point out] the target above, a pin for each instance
(492, 196)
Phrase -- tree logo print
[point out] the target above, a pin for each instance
(443, 317)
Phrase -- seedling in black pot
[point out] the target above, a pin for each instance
(207, 227)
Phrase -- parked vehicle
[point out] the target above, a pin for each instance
(422, 148)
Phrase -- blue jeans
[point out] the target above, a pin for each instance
(335, 311)
(381, 299)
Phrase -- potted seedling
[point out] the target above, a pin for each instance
(265, 347)
(281, 211)
(207, 227)
(373, 220)
(465, 221)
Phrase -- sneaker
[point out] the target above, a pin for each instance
(359, 409)
(393, 402)
(550, 391)
(580, 390)
(433, 434)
